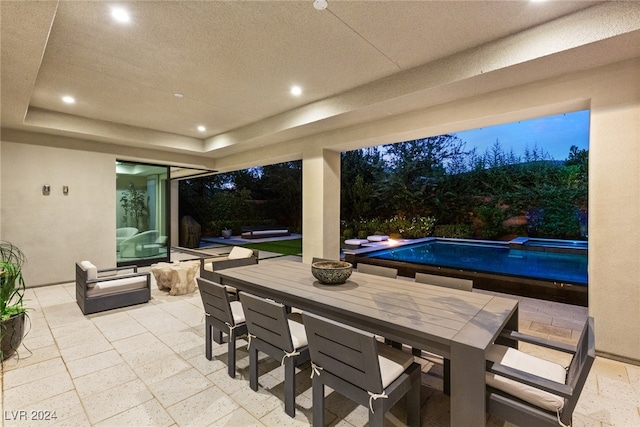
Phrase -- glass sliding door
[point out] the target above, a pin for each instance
(142, 223)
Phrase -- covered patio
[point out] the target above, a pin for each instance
(206, 86)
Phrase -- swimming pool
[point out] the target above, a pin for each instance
(552, 269)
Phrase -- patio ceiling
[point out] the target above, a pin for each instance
(235, 61)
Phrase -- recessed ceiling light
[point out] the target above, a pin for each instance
(120, 15)
(296, 90)
(320, 4)
(68, 99)
(178, 95)
(202, 128)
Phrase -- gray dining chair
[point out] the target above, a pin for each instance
(445, 281)
(527, 390)
(222, 316)
(272, 331)
(317, 259)
(353, 363)
(378, 270)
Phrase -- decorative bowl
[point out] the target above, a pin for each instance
(331, 272)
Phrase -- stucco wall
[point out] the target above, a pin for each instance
(57, 230)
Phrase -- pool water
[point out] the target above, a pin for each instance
(496, 258)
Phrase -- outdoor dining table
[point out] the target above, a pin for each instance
(455, 324)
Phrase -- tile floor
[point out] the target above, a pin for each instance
(145, 366)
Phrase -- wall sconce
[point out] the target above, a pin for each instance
(46, 190)
(65, 190)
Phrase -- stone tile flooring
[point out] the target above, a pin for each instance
(145, 366)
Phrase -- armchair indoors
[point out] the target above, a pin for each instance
(123, 234)
(99, 290)
(141, 245)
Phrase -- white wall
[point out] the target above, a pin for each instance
(57, 230)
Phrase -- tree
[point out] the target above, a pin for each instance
(362, 176)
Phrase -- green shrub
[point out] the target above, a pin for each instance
(491, 218)
(457, 231)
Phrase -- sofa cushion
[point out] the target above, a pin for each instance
(238, 252)
(533, 365)
(92, 270)
(118, 285)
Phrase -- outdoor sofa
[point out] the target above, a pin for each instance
(100, 290)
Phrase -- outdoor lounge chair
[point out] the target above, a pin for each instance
(100, 290)
(353, 363)
(271, 331)
(533, 392)
(222, 315)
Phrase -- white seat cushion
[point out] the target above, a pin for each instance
(377, 238)
(239, 252)
(355, 241)
(298, 334)
(534, 365)
(393, 363)
(237, 312)
(92, 271)
(119, 285)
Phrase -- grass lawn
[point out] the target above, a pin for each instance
(286, 247)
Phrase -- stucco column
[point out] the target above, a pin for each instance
(320, 204)
(614, 199)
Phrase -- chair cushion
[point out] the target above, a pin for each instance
(355, 242)
(237, 312)
(393, 363)
(298, 334)
(534, 365)
(239, 252)
(377, 238)
(92, 270)
(119, 285)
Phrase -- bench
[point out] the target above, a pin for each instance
(264, 231)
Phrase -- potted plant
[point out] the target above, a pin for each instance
(226, 233)
(12, 309)
(133, 202)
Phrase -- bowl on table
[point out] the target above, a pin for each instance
(331, 272)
